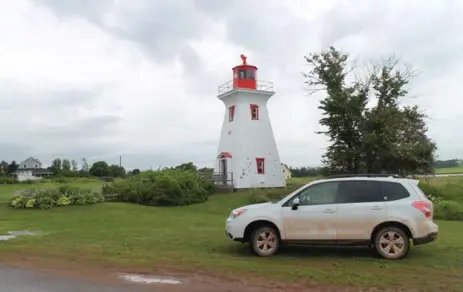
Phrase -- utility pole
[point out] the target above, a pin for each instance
(120, 161)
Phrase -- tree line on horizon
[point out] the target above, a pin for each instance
(320, 171)
(70, 168)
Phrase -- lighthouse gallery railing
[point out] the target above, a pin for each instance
(261, 86)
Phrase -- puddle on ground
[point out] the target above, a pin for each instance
(14, 234)
(147, 279)
(6, 237)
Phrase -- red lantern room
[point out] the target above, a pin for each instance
(244, 75)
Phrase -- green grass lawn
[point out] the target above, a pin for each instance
(450, 170)
(192, 238)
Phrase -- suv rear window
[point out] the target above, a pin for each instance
(393, 191)
(361, 191)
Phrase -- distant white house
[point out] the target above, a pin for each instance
(31, 169)
(286, 171)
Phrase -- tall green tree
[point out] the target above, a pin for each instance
(84, 171)
(66, 165)
(3, 167)
(100, 169)
(116, 170)
(342, 108)
(187, 166)
(56, 166)
(381, 137)
(74, 166)
(12, 167)
(85, 167)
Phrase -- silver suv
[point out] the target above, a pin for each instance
(383, 212)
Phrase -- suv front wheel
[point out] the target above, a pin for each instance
(265, 241)
(392, 243)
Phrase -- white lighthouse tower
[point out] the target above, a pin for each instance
(247, 156)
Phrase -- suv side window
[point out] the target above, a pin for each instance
(393, 191)
(319, 194)
(361, 191)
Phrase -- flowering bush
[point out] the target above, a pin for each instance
(48, 198)
(436, 200)
(447, 199)
(63, 201)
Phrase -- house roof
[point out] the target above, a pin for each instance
(286, 167)
(30, 157)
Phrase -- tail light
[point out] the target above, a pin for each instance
(425, 207)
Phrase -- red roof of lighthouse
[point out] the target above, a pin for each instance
(245, 77)
(245, 64)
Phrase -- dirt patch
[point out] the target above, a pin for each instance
(197, 282)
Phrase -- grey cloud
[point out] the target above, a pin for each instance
(13, 93)
(429, 38)
(86, 128)
(12, 151)
(52, 122)
(89, 9)
(162, 29)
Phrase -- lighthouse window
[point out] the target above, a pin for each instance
(254, 112)
(247, 74)
(260, 165)
(231, 113)
(250, 75)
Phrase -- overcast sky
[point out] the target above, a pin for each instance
(138, 78)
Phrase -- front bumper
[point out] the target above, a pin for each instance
(230, 236)
(426, 239)
(234, 230)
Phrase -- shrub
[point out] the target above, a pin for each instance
(263, 195)
(5, 180)
(170, 187)
(447, 199)
(48, 198)
(67, 180)
(449, 210)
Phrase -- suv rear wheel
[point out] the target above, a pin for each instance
(392, 243)
(265, 241)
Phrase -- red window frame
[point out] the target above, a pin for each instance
(254, 107)
(260, 162)
(231, 113)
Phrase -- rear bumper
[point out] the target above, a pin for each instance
(426, 239)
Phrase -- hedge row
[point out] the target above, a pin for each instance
(172, 187)
(54, 197)
(4, 180)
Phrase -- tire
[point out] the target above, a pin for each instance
(265, 241)
(392, 243)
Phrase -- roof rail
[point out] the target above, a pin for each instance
(364, 175)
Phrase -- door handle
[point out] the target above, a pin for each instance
(329, 211)
(376, 208)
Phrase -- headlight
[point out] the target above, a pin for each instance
(237, 213)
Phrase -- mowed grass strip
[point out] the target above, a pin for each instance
(450, 170)
(192, 238)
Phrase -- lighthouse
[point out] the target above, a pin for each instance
(247, 156)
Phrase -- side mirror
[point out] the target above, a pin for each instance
(295, 204)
